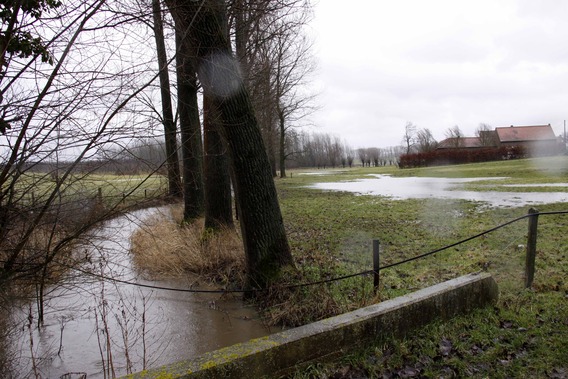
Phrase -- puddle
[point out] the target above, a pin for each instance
(323, 172)
(536, 185)
(90, 322)
(443, 188)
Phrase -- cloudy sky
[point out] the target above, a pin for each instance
(437, 64)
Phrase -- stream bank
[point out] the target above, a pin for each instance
(106, 328)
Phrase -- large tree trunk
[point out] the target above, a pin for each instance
(172, 161)
(218, 204)
(190, 127)
(270, 149)
(262, 227)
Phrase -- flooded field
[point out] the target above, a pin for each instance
(400, 188)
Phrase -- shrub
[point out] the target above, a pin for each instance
(460, 156)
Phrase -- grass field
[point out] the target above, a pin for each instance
(525, 335)
(331, 234)
(111, 189)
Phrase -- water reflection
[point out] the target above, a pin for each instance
(441, 188)
(97, 327)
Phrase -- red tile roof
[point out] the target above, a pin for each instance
(464, 142)
(525, 133)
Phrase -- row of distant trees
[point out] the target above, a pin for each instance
(303, 150)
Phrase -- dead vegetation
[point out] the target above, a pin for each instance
(165, 248)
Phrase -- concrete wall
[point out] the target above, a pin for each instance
(275, 354)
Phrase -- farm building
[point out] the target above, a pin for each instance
(460, 143)
(536, 140)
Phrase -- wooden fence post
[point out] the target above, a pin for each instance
(531, 248)
(376, 264)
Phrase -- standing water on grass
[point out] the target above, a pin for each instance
(105, 328)
(442, 188)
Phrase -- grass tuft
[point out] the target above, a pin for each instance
(166, 248)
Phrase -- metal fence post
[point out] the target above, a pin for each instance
(531, 248)
(376, 264)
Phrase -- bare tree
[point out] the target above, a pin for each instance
(61, 117)
(190, 126)
(218, 204)
(274, 54)
(409, 136)
(486, 135)
(362, 154)
(262, 227)
(349, 155)
(455, 135)
(425, 140)
(334, 150)
(391, 154)
(374, 155)
(175, 188)
(291, 68)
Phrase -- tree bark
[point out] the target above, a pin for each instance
(270, 149)
(282, 141)
(190, 128)
(218, 204)
(262, 227)
(172, 161)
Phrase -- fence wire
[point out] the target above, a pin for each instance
(323, 281)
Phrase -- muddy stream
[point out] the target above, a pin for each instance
(103, 328)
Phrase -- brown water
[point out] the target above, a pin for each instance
(105, 328)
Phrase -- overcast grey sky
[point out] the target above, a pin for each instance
(438, 63)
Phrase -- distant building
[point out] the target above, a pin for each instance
(535, 139)
(460, 143)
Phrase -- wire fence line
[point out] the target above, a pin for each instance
(374, 271)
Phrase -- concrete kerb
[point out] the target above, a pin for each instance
(277, 353)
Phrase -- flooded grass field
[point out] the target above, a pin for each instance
(108, 328)
(401, 188)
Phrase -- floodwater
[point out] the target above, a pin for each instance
(443, 188)
(104, 328)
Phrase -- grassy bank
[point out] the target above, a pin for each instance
(525, 335)
(331, 234)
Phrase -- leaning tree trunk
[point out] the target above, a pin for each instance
(266, 246)
(172, 161)
(190, 128)
(218, 204)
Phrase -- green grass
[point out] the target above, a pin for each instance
(331, 233)
(125, 190)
